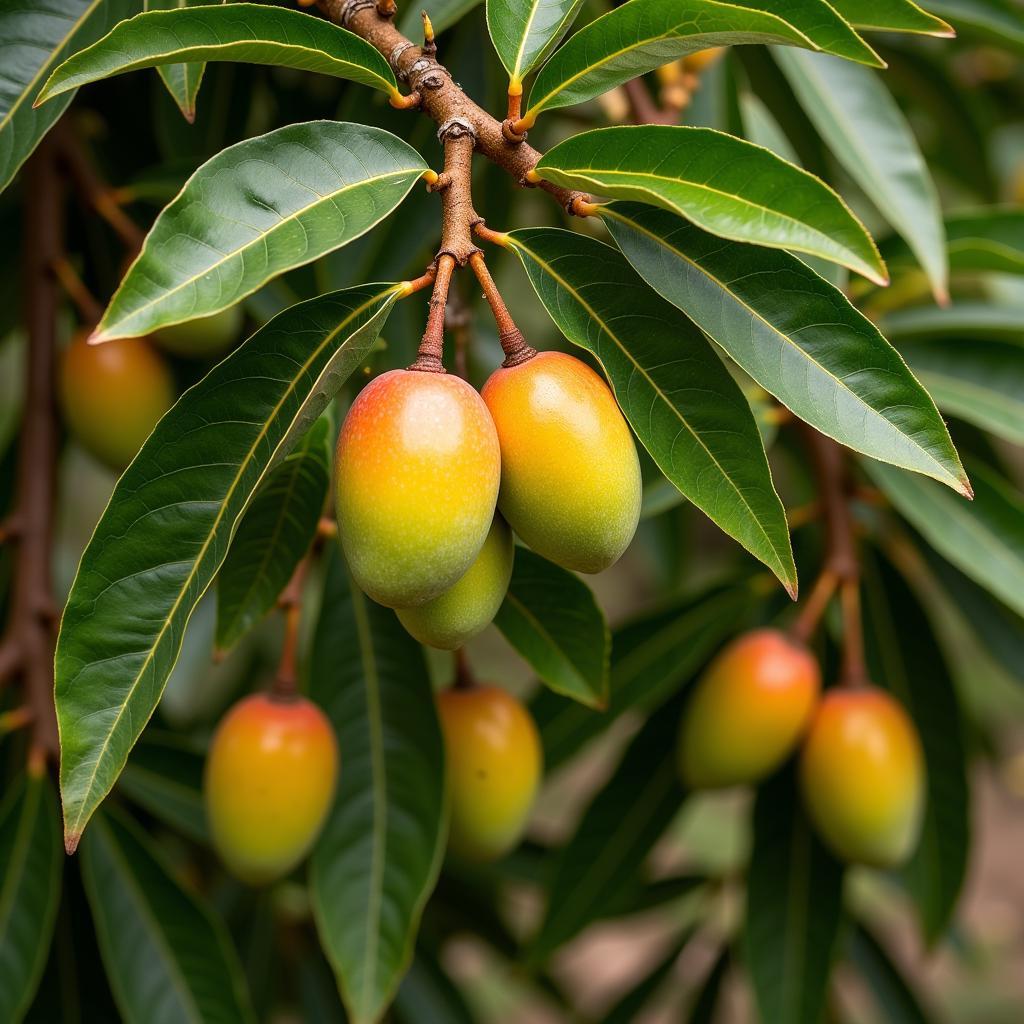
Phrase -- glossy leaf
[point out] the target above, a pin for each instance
(616, 833)
(964, 320)
(724, 185)
(998, 21)
(524, 32)
(181, 80)
(246, 33)
(981, 382)
(36, 36)
(891, 16)
(378, 857)
(273, 536)
(644, 34)
(869, 135)
(443, 14)
(31, 864)
(255, 210)
(794, 904)
(170, 521)
(168, 958)
(893, 996)
(551, 618)
(983, 538)
(905, 656)
(680, 400)
(796, 335)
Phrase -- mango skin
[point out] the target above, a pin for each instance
(269, 781)
(748, 711)
(570, 476)
(418, 468)
(204, 338)
(862, 777)
(494, 765)
(468, 607)
(112, 395)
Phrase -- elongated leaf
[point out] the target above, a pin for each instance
(651, 657)
(428, 996)
(273, 536)
(891, 16)
(443, 14)
(868, 134)
(683, 404)
(965, 320)
(796, 335)
(168, 958)
(724, 185)
(794, 903)
(983, 538)
(255, 210)
(30, 873)
(524, 32)
(36, 36)
(550, 616)
(643, 34)
(998, 21)
(379, 854)
(170, 521)
(247, 33)
(894, 998)
(981, 382)
(905, 657)
(182, 80)
(618, 830)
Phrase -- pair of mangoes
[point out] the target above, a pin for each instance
(861, 766)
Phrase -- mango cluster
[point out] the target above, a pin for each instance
(861, 767)
(433, 478)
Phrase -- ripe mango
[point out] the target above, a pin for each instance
(208, 337)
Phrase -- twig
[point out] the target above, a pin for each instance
(516, 348)
(286, 681)
(430, 357)
(464, 678)
(85, 302)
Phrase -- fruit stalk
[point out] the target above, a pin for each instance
(516, 348)
(286, 682)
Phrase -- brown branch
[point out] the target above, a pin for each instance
(430, 358)
(516, 348)
(286, 681)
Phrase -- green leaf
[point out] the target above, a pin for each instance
(255, 210)
(524, 32)
(794, 904)
(273, 536)
(168, 957)
(724, 185)
(981, 382)
(998, 21)
(428, 996)
(683, 404)
(616, 833)
(983, 538)
(36, 36)
(893, 996)
(164, 776)
(247, 33)
(443, 14)
(651, 657)
(644, 34)
(378, 857)
(796, 335)
(973, 320)
(551, 618)
(181, 80)
(31, 863)
(868, 134)
(892, 16)
(170, 521)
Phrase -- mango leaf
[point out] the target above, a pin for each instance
(170, 521)
(983, 538)
(651, 657)
(981, 382)
(36, 36)
(247, 33)
(616, 833)
(644, 34)
(905, 657)
(997, 21)
(168, 957)
(443, 14)
(724, 185)
(379, 854)
(683, 404)
(255, 210)
(524, 32)
(551, 618)
(273, 536)
(428, 996)
(794, 904)
(795, 334)
(868, 134)
(892, 16)
(893, 996)
(971, 320)
(31, 863)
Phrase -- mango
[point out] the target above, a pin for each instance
(570, 476)
(207, 337)
(418, 468)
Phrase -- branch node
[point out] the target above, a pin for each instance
(509, 133)
(349, 9)
(579, 204)
(456, 128)
(396, 55)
